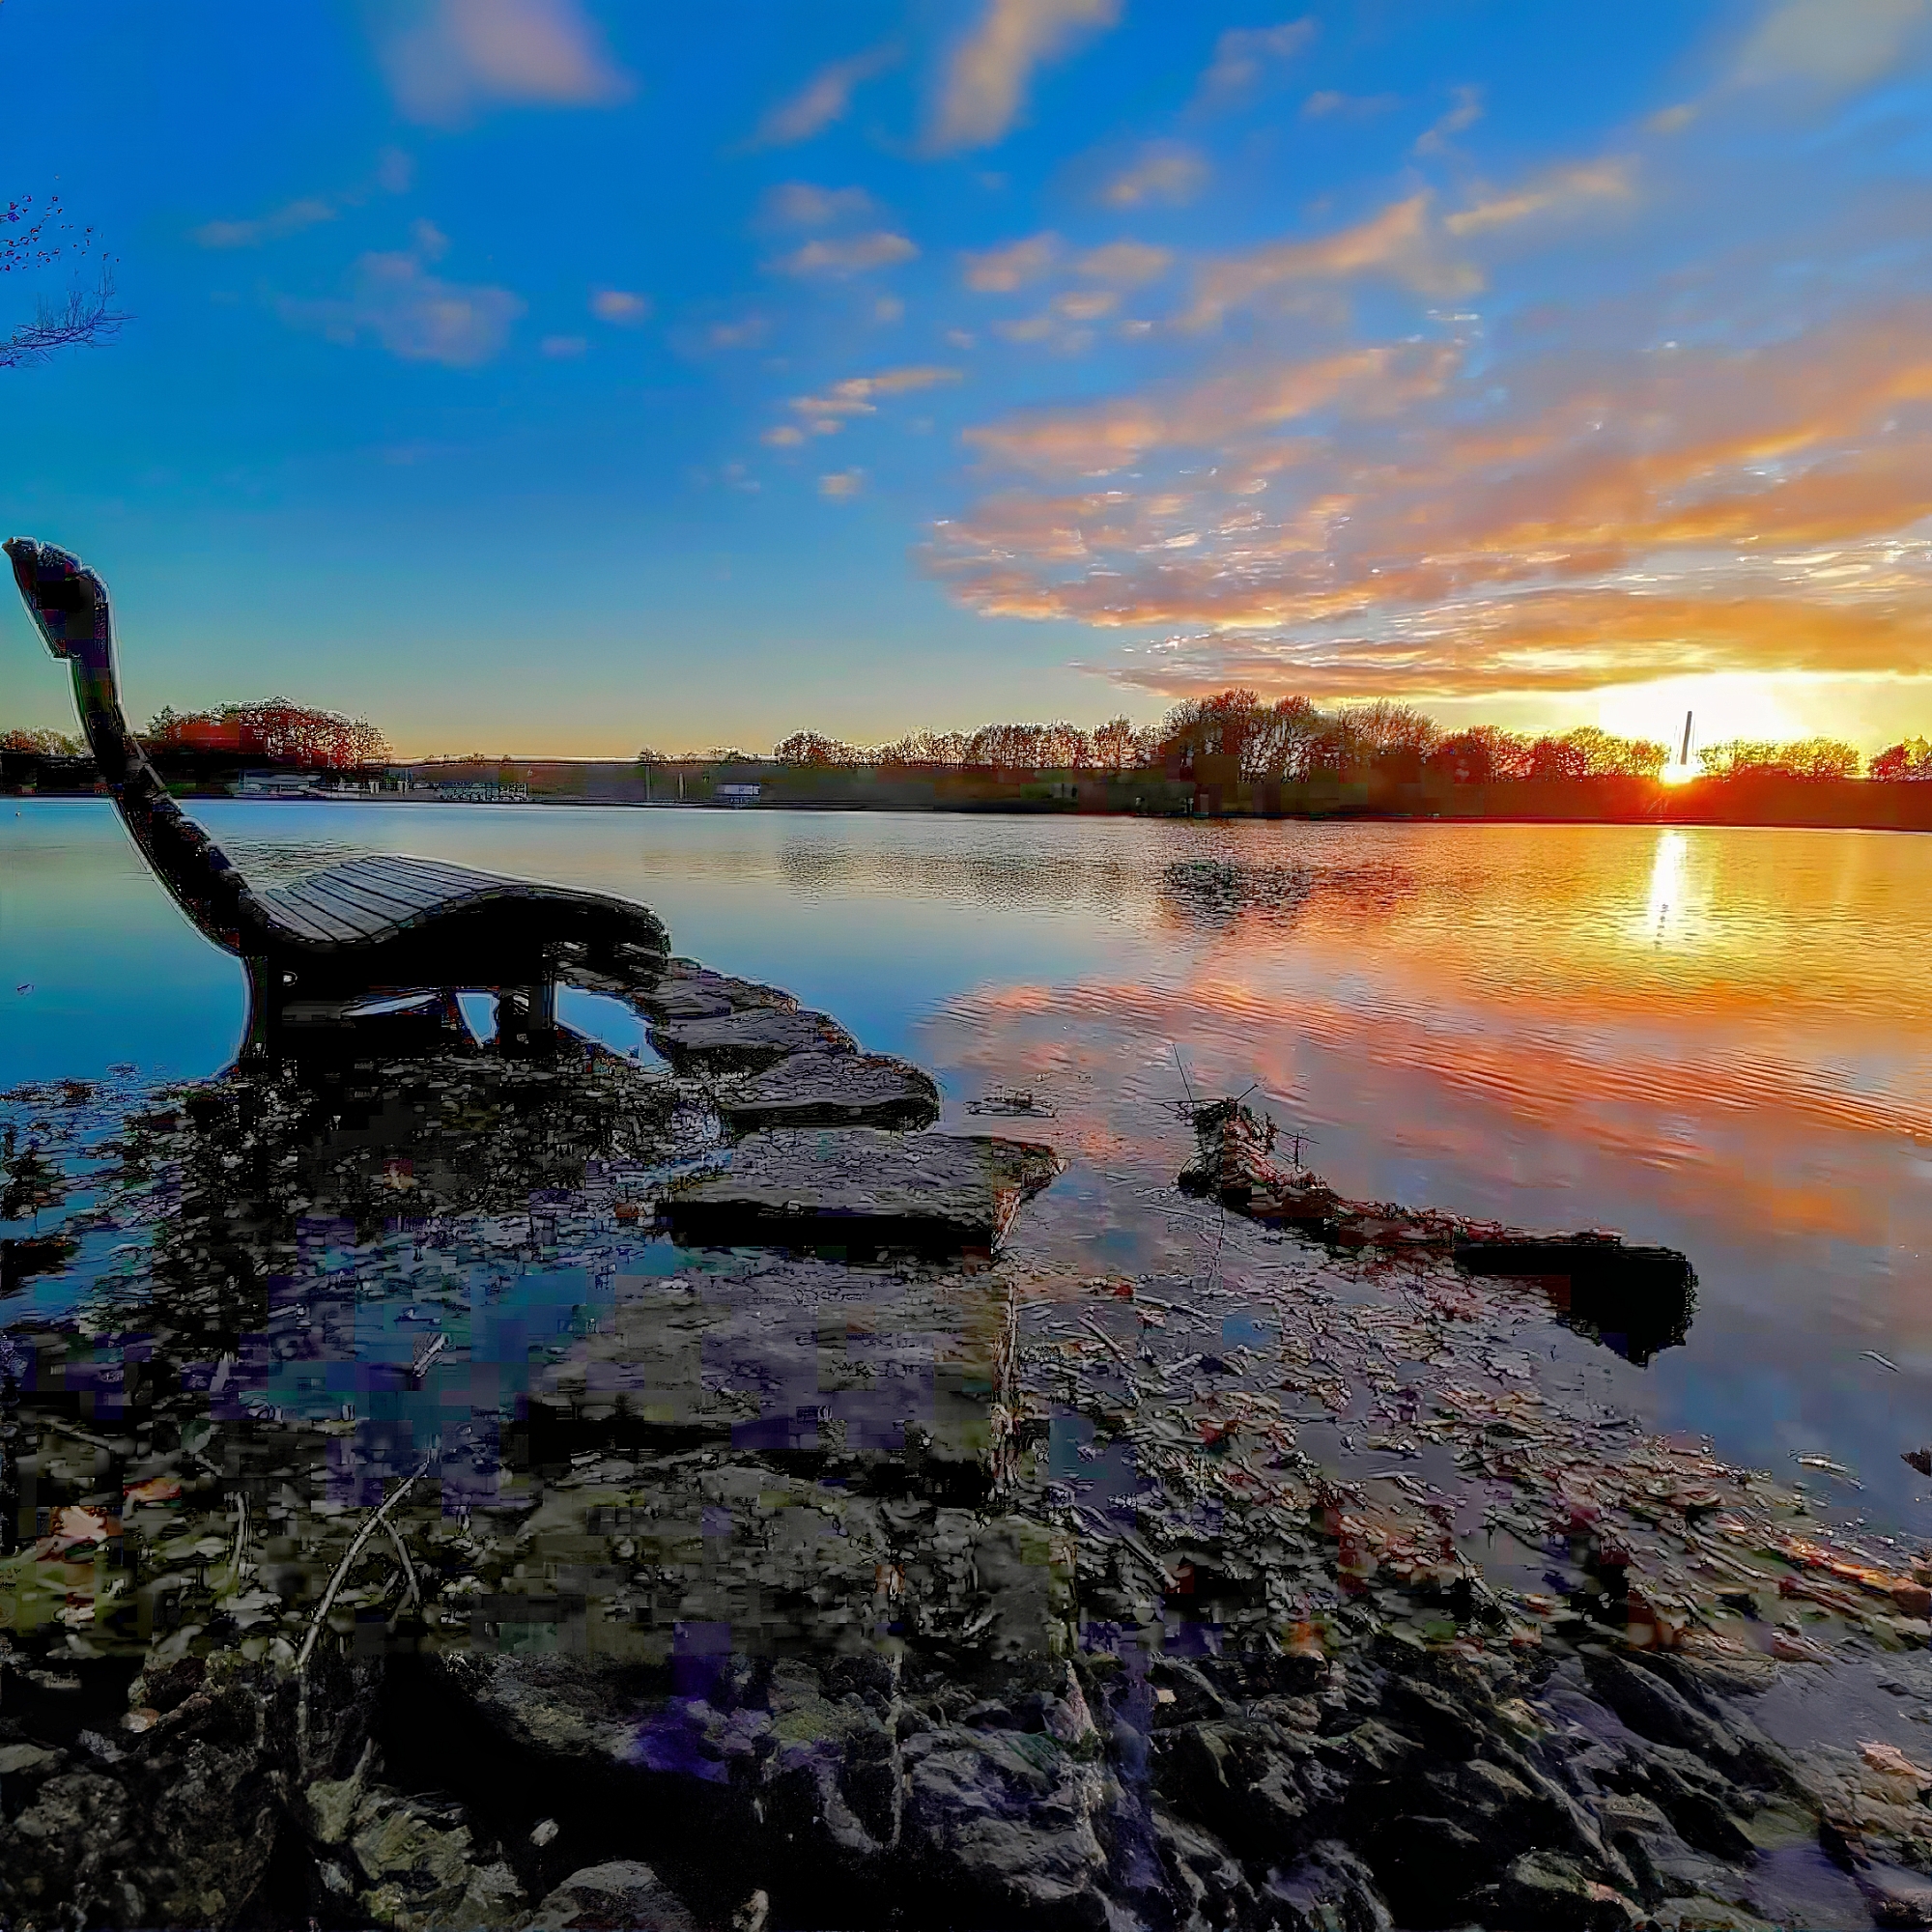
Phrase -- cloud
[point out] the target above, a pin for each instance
(1242, 53)
(620, 306)
(1562, 190)
(412, 314)
(783, 436)
(841, 484)
(393, 174)
(289, 220)
(985, 81)
(1467, 110)
(745, 332)
(563, 348)
(1164, 171)
(1325, 103)
(801, 204)
(1596, 516)
(856, 395)
(1126, 264)
(1830, 45)
(443, 58)
(1395, 243)
(826, 98)
(1001, 271)
(849, 255)
(1098, 439)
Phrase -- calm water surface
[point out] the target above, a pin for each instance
(1720, 1039)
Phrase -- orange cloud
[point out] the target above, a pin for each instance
(1001, 271)
(985, 81)
(1099, 437)
(463, 52)
(1164, 171)
(849, 255)
(1395, 243)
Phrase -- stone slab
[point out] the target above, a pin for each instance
(862, 1186)
(900, 1373)
(746, 1039)
(812, 1090)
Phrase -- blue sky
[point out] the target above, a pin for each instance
(563, 376)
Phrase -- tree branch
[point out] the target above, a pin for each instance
(88, 316)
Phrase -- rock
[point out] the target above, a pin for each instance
(622, 1893)
(861, 1187)
(905, 1371)
(832, 1089)
(687, 991)
(1009, 1819)
(423, 1869)
(1544, 1891)
(1329, 1889)
(746, 1039)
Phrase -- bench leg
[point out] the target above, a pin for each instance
(526, 1017)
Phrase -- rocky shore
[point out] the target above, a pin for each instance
(457, 1491)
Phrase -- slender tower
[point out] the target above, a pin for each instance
(1684, 756)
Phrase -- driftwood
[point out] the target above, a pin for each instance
(1636, 1300)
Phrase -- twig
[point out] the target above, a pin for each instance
(241, 1536)
(413, 1593)
(353, 1551)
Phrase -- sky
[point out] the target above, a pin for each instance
(565, 377)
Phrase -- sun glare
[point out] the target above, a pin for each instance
(1722, 705)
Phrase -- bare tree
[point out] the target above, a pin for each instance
(85, 318)
(33, 238)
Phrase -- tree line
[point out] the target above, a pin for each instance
(1292, 740)
(271, 731)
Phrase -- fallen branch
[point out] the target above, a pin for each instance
(355, 1549)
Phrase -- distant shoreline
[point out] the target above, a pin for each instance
(1759, 799)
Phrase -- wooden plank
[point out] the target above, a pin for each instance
(426, 872)
(320, 910)
(358, 890)
(294, 921)
(372, 918)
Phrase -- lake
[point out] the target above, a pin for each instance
(1719, 1039)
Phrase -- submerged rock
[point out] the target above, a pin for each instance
(620, 1893)
(861, 1187)
(809, 1090)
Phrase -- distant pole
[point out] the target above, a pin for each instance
(1684, 756)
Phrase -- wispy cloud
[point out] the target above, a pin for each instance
(1164, 171)
(826, 98)
(413, 314)
(802, 205)
(985, 81)
(1467, 110)
(563, 348)
(858, 396)
(620, 306)
(1242, 55)
(1001, 271)
(1564, 189)
(1126, 265)
(394, 173)
(289, 220)
(1396, 243)
(846, 255)
(1098, 439)
(444, 58)
(841, 483)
